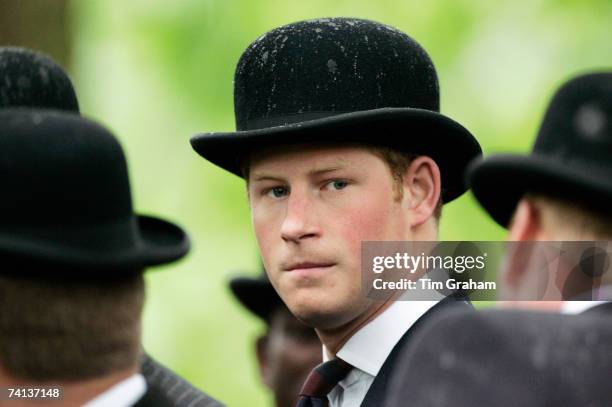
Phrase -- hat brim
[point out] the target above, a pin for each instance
(163, 241)
(415, 131)
(94, 250)
(256, 295)
(498, 183)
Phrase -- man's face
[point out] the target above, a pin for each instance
(311, 208)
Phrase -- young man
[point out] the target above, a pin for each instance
(288, 350)
(33, 80)
(341, 141)
(561, 192)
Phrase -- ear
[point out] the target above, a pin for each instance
(261, 350)
(524, 227)
(526, 223)
(422, 189)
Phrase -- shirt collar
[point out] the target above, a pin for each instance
(369, 347)
(124, 393)
(578, 307)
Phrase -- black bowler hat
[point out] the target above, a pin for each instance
(66, 199)
(340, 80)
(257, 295)
(31, 79)
(571, 157)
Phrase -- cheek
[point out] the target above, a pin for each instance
(266, 228)
(371, 219)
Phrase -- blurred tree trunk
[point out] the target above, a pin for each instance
(42, 25)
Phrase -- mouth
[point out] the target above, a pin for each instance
(308, 267)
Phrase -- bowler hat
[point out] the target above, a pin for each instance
(571, 158)
(340, 80)
(32, 79)
(66, 198)
(256, 294)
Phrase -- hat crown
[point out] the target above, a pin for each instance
(319, 68)
(59, 169)
(31, 79)
(578, 123)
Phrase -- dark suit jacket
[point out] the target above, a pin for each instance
(601, 309)
(166, 389)
(379, 390)
(498, 358)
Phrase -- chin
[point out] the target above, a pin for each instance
(322, 314)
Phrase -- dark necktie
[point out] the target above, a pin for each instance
(321, 381)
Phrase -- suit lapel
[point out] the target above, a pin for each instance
(375, 397)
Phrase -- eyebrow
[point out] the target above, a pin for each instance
(264, 177)
(324, 170)
(314, 172)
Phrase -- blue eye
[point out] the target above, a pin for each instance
(338, 184)
(277, 192)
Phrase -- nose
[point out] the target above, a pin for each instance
(299, 223)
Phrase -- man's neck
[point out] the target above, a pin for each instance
(74, 393)
(335, 338)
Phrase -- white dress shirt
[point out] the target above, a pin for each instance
(369, 347)
(578, 307)
(122, 394)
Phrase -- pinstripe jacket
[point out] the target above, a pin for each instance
(166, 389)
